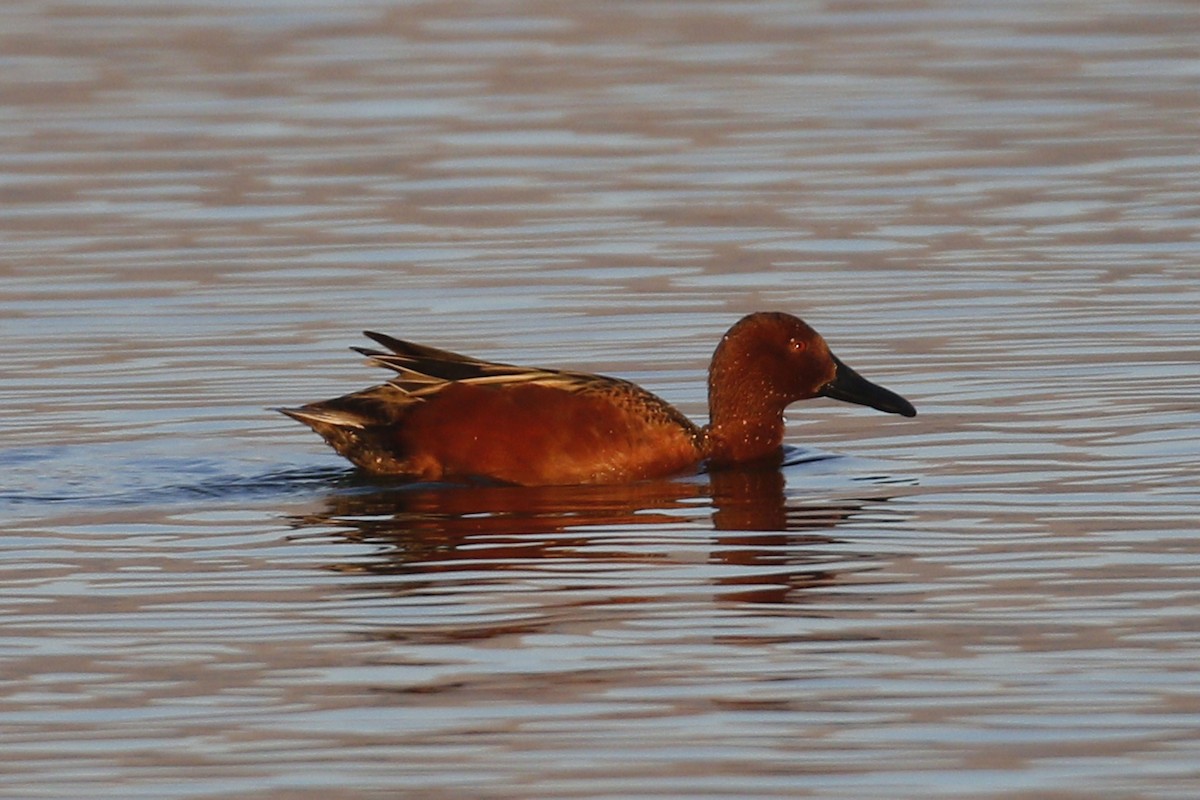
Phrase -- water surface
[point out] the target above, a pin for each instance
(990, 207)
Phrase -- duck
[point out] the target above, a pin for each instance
(447, 417)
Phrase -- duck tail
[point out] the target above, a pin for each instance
(361, 427)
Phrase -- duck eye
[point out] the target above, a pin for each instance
(797, 345)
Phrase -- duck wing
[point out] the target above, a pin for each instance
(422, 370)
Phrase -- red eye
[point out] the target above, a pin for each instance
(797, 345)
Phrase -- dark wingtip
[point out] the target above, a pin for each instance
(390, 342)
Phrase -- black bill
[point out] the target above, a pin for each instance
(849, 386)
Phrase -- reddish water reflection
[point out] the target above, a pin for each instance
(437, 529)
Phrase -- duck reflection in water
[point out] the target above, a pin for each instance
(431, 529)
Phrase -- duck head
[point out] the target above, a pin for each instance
(766, 362)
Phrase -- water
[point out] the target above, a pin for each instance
(990, 207)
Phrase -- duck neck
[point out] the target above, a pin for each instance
(744, 425)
